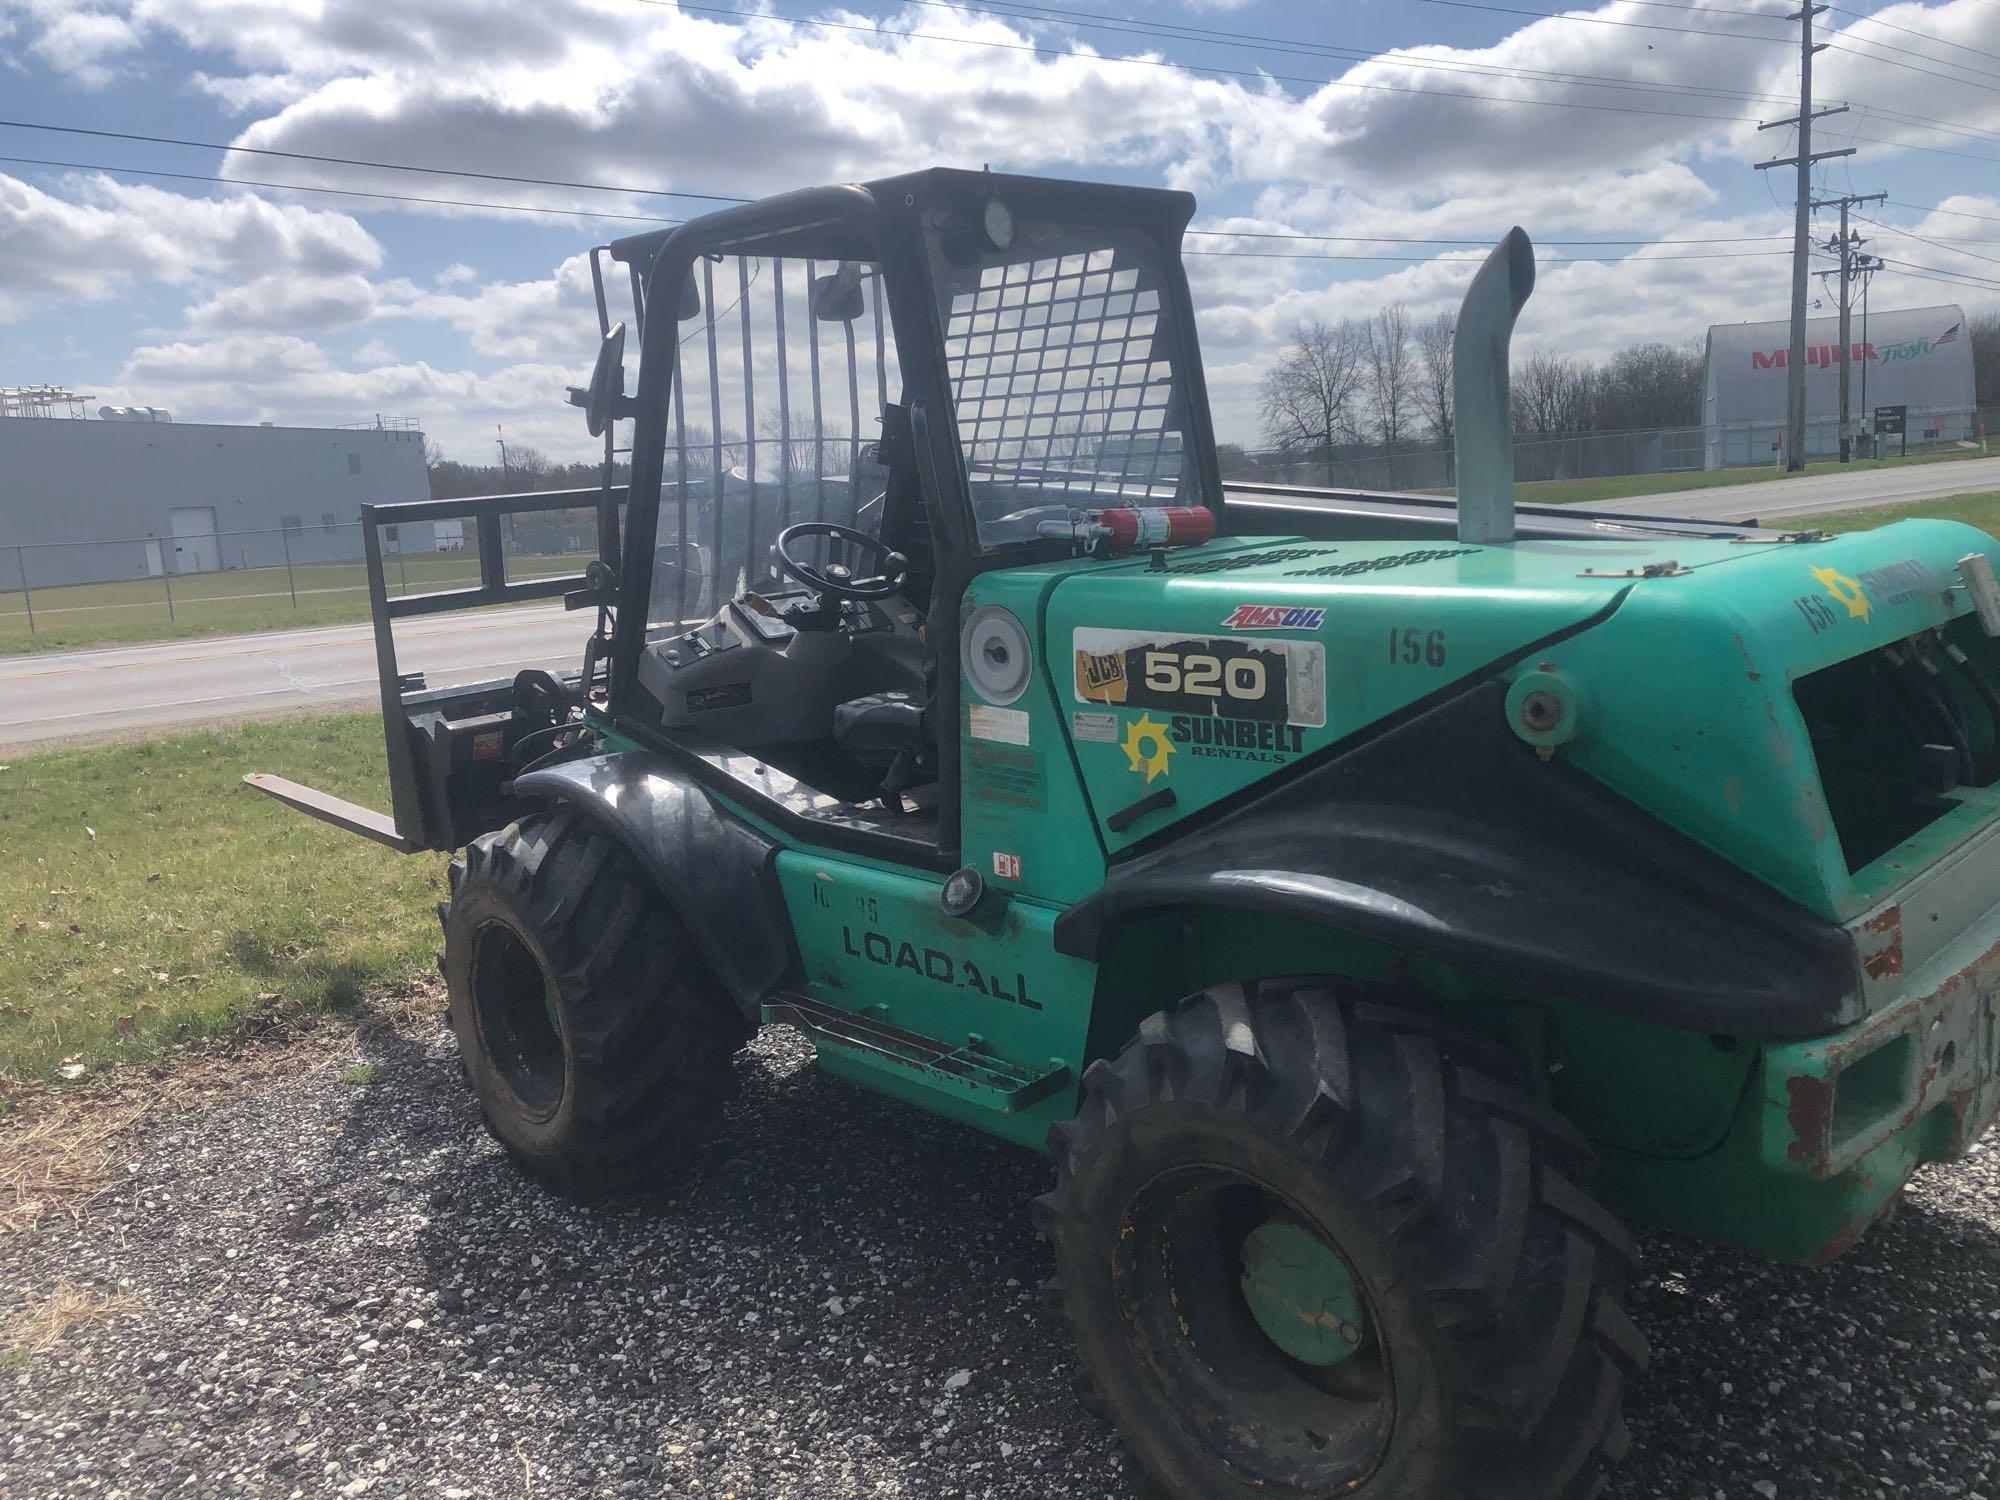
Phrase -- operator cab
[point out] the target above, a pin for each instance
(851, 402)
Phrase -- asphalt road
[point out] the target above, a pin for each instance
(1816, 493)
(129, 689)
(134, 689)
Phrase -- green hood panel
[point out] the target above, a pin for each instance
(1231, 661)
(1686, 692)
(1238, 658)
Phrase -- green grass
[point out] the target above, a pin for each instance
(148, 897)
(360, 1073)
(1981, 510)
(1631, 486)
(235, 601)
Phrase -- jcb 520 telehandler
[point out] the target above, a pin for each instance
(1369, 904)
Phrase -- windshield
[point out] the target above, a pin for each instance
(1065, 373)
(784, 368)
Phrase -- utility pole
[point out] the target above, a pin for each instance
(1845, 246)
(1795, 362)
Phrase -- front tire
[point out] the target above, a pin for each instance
(1316, 1247)
(596, 1040)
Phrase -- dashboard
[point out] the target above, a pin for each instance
(770, 667)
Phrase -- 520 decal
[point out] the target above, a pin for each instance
(1281, 681)
(1199, 674)
(1412, 647)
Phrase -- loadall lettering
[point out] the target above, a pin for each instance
(935, 963)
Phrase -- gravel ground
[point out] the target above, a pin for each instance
(343, 1288)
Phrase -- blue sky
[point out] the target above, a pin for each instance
(230, 303)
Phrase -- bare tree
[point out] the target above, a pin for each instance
(1434, 338)
(1552, 393)
(1309, 396)
(1984, 331)
(1650, 385)
(1391, 376)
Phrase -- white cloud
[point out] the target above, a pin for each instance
(106, 236)
(612, 90)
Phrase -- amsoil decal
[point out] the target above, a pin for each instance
(1282, 681)
(1274, 617)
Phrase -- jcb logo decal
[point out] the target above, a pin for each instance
(1100, 677)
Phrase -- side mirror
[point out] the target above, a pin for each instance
(690, 303)
(836, 298)
(603, 400)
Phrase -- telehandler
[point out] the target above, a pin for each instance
(1370, 903)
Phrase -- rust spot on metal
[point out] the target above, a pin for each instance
(1744, 651)
(1810, 1115)
(1852, 1228)
(1882, 944)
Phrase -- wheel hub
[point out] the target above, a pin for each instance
(1302, 1293)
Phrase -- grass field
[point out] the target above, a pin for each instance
(235, 601)
(148, 896)
(1632, 486)
(1981, 510)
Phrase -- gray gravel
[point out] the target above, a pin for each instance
(347, 1290)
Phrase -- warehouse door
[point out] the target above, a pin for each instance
(196, 549)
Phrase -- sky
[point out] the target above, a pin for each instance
(1621, 136)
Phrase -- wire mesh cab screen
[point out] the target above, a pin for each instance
(1064, 375)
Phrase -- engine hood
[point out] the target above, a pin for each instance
(1244, 655)
(1187, 677)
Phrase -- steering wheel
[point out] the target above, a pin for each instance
(895, 567)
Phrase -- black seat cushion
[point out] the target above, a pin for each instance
(878, 728)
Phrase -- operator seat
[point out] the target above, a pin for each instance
(888, 731)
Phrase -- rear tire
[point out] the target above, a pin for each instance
(1457, 1330)
(594, 1037)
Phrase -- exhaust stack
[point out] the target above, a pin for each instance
(1483, 428)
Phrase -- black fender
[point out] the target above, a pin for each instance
(717, 873)
(1446, 835)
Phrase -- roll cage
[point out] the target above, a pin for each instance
(892, 223)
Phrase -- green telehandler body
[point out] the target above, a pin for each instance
(1369, 901)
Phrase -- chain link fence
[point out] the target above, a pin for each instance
(262, 578)
(1690, 450)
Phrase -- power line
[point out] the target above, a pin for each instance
(1861, 16)
(1957, 213)
(1737, 36)
(1639, 245)
(1910, 234)
(293, 187)
(1258, 74)
(1019, 10)
(349, 161)
(1969, 277)
(1394, 239)
(1266, 75)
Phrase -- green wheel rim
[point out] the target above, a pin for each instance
(1302, 1294)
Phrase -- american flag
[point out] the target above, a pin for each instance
(1950, 335)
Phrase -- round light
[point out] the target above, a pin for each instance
(998, 223)
(995, 653)
(962, 892)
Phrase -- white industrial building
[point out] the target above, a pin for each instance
(131, 493)
(1919, 359)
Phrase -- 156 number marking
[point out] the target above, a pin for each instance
(1412, 647)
